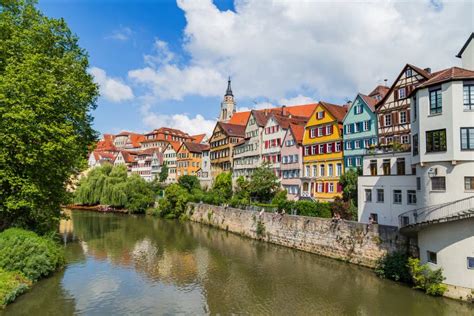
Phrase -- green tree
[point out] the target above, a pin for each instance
(223, 185)
(46, 95)
(264, 184)
(349, 185)
(174, 203)
(163, 173)
(189, 182)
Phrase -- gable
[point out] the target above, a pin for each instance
(366, 113)
(327, 116)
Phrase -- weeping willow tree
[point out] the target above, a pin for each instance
(107, 185)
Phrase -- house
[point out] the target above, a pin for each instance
(224, 137)
(204, 173)
(189, 158)
(292, 160)
(160, 137)
(393, 110)
(323, 153)
(386, 188)
(128, 141)
(98, 158)
(360, 130)
(169, 159)
(126, 158)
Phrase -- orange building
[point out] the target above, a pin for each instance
(189, 158)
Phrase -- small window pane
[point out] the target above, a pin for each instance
(432, 257)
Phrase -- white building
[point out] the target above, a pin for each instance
(387, 187)
(169, 159)
(204, 173)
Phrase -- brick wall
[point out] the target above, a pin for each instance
(345, 240)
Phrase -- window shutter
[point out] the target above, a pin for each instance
(381, 120)
(332, 129)
(408, 116)
(395, 116)
(326, 187)
(339, 187)
(395, 94)
(324, 114)
(369, 124)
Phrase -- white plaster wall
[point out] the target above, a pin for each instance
(468, 57)
(387, 212)
(453, 242)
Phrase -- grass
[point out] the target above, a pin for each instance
(12, 284)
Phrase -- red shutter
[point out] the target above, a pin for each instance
(408, 116)
(380, 120)
(339, 187)
(326, 187)
(395, 118)
(324, 114)
(316, 151)
(331, 129)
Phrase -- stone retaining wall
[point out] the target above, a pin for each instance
(354, 242)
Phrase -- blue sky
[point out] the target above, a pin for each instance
(166, 62)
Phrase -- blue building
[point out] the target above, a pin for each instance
(360, 129)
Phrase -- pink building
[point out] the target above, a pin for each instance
(292, 160)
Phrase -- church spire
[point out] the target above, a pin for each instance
(229, 89)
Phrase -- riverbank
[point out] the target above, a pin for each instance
(354, 242)
(96, 208)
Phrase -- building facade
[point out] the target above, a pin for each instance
(292, 161)
(204, 173)
(189, 159)
(360, 130)
(169, 159)
(323, 154)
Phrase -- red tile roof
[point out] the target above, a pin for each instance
(175, 145)
(336, 110)
(371, 102)
(195, 147)
(233, 129)
(304, 110)
(128, 156)
(298, 132)
(285, 121)
(453, 73)
(240, 118)
(379, 90)
(198, 138)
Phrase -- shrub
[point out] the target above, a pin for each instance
(28, 253)
(310, 208)
(394, 266)
(173, 205)
(426, 279)
(12, 284)
(188, 182)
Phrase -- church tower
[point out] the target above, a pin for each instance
(228, 105)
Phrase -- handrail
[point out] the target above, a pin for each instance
(435, 212)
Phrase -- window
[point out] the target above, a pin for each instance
(438, 183)
(321, 170)
(411, 197)
(356, 127)
(436, 105)
(436, 140)
(339, 169)
(469, 183)
(368, 195)
(328, 130)
(467, 138)
(468, 97)
(320, 187)
(388, 120)
(380, 196)
(358, 161)
(349, 162)
(320, 115)
(348, 145)
(400, 166)
(397, 196)
(470, 262)
(312, 133)
(366, 125)
(338, 147)
(415, 145)
(402, 93)
(315, 171)
(375, 217)
(357, 144)
(389, 140)
(307, 171)
(331, 187)
(330, 170)
(418, 183)
(329, 148)
(373, 167)
(432, 257)
(405, 139)
(408, 73)
(386, 167)
(403, 117)
(366, 143)
(358, 109)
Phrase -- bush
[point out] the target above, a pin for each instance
(28, 253)
(173, 205)
(310, 208)
(12, 284)
(426, 279)
(188, 182)
(394, 266)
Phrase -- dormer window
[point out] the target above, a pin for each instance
(320, 115)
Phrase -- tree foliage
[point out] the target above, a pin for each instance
(223, 185)
(46, 95)
(189, 182)
(349, 185)
(109, 185)
(174, 203)
(163, 173)
(263, 184)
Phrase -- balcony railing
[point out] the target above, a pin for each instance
(445, 211)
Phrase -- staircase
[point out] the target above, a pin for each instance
(445, 212)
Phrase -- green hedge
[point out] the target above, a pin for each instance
(26, 252)
(12, 284)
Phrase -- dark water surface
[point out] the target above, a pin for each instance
(119, 264)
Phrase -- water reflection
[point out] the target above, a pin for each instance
(139, 265)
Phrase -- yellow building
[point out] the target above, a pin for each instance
(323, 153)
(189, 158)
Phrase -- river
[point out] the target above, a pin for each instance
(122, 264)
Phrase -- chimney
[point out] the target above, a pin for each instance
(428, 70)
(283, 110)
(385, 82)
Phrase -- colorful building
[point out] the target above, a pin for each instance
(189, 159)
(360, 130)
(323, 154)
(292, 160)
(169, 159)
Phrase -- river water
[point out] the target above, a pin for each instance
(121, 264)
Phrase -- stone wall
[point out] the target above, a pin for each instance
(354, 242)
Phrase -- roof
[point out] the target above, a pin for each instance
(304, 110)
(124, 133)
(370, 101)
(240, 118)
(336, 110)
(453, 73)
(379, 90)
(106, 143)
(175, 145)
(128, 157)
(233, 129)
(168, 131)
(298, 132)
(285, 121)
(136, 139)
(198, 138)
(195, 147)
(459, 55)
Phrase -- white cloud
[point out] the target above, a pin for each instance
(112, 89)
(191, 125)
(299, 99)
(122, 34)
(323, 48)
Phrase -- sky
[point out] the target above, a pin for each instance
(166, 63)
